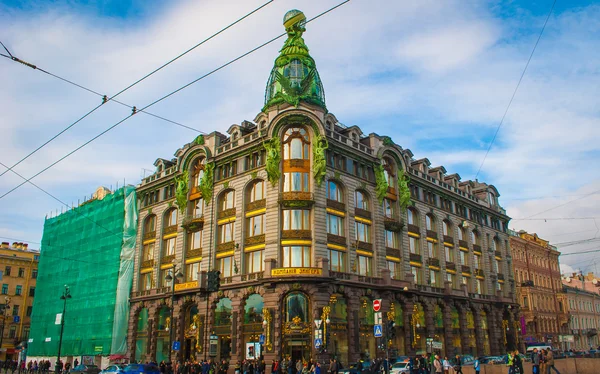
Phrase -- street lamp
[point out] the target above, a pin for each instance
(66, 295)
(169, 278)
(4, 308)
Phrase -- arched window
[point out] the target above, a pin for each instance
(141, 343)
(170, 218)
(227, 200)
(296, 144)
(388, 171)
(296, 306)
(461, 233)
(361, 200)
(256, 191)
(447, 228)
(198, 171)
(164, 318)
(430, 222)
(413, 217)
(253, 309)
(475, 238)
(223, 312)
(334, 192)
(142, 323)
(149, 225)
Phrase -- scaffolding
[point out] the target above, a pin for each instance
(91, 249)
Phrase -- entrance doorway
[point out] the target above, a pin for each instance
(189, 350)
(297, 349)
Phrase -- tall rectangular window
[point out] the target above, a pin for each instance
(477, 262)
(463, 258)
(335, 225)
(391, 239)
(434, 278)
(479, 286)
(256, 225)
(19, 290)
(296, 256)
(146, 281)
(432, 249)
(296, 219)
(34, 274)
(450, 278)
(254, 262)
(29, 311)
(226, 232)
(413, 245)
(191, 271)
(364, 266)
(225, 266)
(449, 252)
(7, 271)
(148, 251)
(394, 268)
(362, 232)
(195, 240)
(169, 246)
(337, 260)
(416, 272)
(21, 272)
(5, 289)
(31, 291)
(15, 311)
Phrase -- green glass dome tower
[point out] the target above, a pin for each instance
(294, 77)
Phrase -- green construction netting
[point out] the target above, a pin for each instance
(90, 249)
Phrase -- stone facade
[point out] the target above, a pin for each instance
(539, 289)
(583, 303)
(308, 220)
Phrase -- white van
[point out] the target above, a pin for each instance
(539, 348)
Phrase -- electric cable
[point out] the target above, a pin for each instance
(563, 204)
(106, 98)
(159, 100)
(516, 89)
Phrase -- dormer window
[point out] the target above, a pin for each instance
(354, 137)
(234, 136)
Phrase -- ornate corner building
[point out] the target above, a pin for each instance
(544, 314)
(309, 220)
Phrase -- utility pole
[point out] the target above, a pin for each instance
(173, 279)
(66, 295)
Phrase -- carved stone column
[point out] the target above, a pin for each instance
(464, 331)
(407, 306)
(353, 306)
(449, 348)
(429, 322)
(478, 330)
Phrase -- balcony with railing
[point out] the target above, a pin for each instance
(450, 266)
(463, 244)
(193, 222)
(465, 269)
(149, 235)
(296, 199)
(414, 257)
(362, 213)
(336, 205)
(414, 229)
(227, 213)
(392, 224)
(448, 239)
(432, 234)
(352, 143)
(476, 248)
(432, 261)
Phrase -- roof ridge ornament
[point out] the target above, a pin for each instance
(294, 76)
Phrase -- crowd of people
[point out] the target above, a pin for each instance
(12, 367)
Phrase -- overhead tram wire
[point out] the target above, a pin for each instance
(102, 96)
(516, 89)
(106, 98)
(28, 180)
(563, 204)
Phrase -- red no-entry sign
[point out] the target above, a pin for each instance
(377, 305)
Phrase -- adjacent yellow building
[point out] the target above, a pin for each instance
(18, 274)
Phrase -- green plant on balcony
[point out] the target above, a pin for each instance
(403, 190)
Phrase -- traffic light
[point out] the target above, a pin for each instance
(391, 330)
(214, 280)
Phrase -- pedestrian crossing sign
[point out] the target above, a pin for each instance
(378, 331)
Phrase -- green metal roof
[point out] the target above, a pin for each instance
(294, 76)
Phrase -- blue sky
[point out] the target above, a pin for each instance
(436, 76)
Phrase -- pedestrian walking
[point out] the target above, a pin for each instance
(535, 361)
(550, 363)
(458, 365)
(437, 364)
(446, 365)
(477, 366)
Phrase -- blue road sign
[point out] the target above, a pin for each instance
(378, 331)
(176, 346)
(318, 343)
(261, 339)
(16, 319)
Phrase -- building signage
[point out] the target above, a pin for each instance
(378, 318)
(318, 323)
(436, 345)
(186, 286)
(288, 272)
(98, 349)
(48, 339)
(252, 351)
(58, 319)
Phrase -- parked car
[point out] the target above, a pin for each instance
(113, 369)
(87, 369)
(400, 368)
(467, 360)
(141, 369)
(402, 359)
(353, 368)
